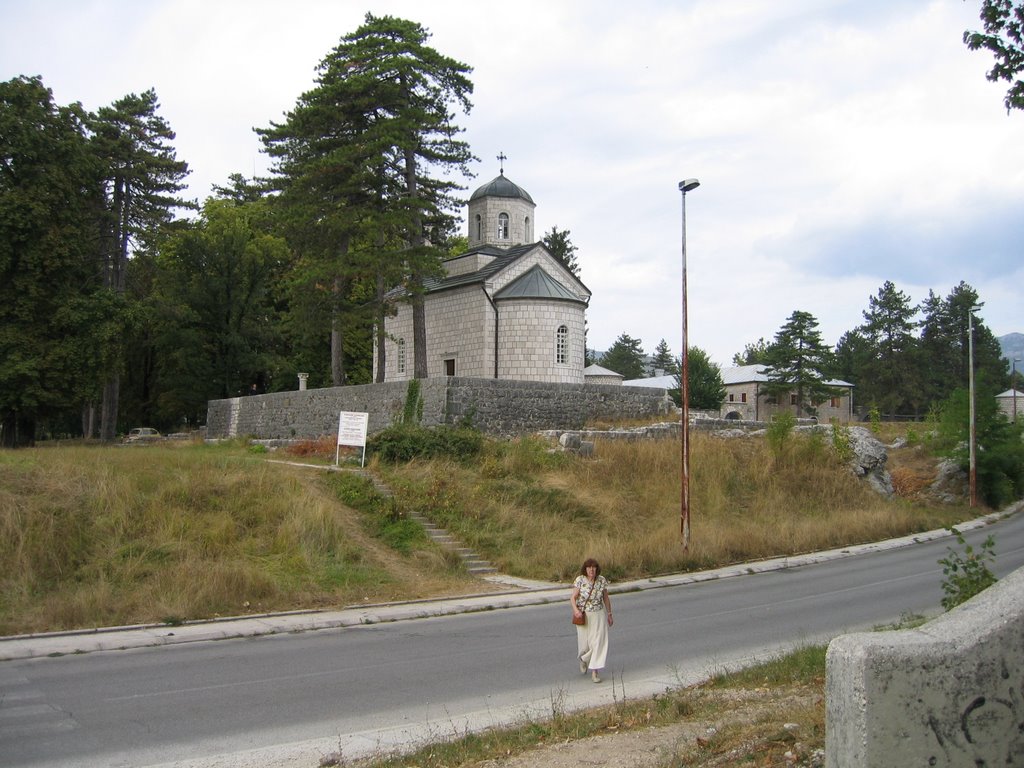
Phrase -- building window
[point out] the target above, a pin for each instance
(503, 226)
(562, 345)
(529, 230)
(732, 398)
(743, 397)
(401, 355)
(792, 399)
(834, 402)
(449, 366)
(479, 228)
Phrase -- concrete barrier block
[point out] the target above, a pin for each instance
(950, 693)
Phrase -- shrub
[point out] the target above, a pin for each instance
(779, 431)
(403, 442)
(967, 574)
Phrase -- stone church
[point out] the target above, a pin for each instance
(504, 309)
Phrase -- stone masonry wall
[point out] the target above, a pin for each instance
(492, 405)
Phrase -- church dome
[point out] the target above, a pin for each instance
(499, 186)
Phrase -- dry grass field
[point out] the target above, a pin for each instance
(112, 535)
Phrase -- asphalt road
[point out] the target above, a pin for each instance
(288, 699)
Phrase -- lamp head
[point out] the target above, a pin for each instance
(688, 184)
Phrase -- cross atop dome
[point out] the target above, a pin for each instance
(502, 157)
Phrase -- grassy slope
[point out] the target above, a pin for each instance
(93, 536)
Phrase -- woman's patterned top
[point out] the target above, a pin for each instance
(591, 596)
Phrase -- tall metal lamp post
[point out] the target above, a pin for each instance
(687, 185)
(972, 436)
(1013, 385)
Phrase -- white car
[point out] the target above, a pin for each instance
(141, 435)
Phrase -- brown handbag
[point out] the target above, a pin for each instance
(582, 620)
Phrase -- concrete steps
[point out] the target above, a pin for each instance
(471, 561)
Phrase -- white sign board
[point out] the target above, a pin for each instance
(352, 431)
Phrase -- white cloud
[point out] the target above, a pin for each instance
(839, 144)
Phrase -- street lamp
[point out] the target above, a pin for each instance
(972, 437)
(687, 185)
(1013, 385)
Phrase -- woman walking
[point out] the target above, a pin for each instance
(592, 615)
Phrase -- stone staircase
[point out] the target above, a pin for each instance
(473, 563)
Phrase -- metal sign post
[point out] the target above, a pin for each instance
(352, 431)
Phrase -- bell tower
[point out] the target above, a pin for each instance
(500, 213)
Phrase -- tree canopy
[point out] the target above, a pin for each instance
(626, 357)
(1003, 37)
(362, 164)
(798, 363)
(56, 321)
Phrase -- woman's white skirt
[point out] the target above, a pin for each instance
(592, 640)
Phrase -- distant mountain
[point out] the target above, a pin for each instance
(1012, 345)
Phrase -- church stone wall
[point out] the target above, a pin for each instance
(527, 340)
(521, 223)
(460, 325)
(553, 268)
(492, 405)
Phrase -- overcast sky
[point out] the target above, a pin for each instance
(839, 144)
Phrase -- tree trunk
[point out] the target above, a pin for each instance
(419, 314)
(17, 431)
(419, 334)
(337, 342)
(381, 335)
(88, 421)
(108, 412)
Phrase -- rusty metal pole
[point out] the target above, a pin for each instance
(972, 435)
(684, 389)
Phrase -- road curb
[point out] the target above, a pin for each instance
(146, 636)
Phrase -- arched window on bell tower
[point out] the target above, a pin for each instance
(479, 227)
(503, 226)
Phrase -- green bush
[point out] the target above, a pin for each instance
(405, 442)
(967, 574)
(779, 431)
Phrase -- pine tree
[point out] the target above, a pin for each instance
(142, 177)
(664, 360)
(888, 376)
(361, 164)
(752, 354)
(798, 363)
(54, 312)
(625, 357)
(561, 247)
(944, 348)
(704, 381)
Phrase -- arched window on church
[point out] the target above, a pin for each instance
(562, 345)
(479, 228)
(401, 355)
(528, 234)
(503, 226)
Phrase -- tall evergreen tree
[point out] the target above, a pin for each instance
(703, 379)
(142, 177)
(752, 354)
(362, 163)
(889, 373)
(54, 313)
(798, 363)
(945, 349)
(216, 327)
(625, 356)
(561, 247)
(664, 360)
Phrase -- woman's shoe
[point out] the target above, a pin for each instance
(595, 677)
(583, 667)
